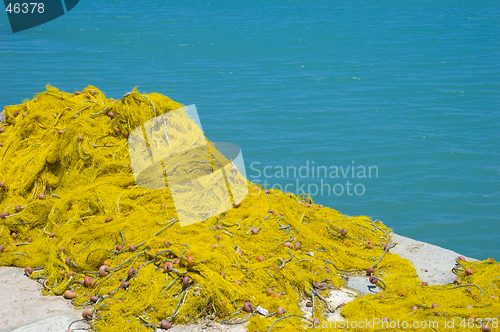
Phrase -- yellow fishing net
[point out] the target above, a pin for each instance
(74, 213)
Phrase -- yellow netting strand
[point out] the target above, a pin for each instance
(71, 210)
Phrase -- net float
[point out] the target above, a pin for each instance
(248, 307)
(103, 270)
(87, 281)
(168, 266)
(87, 315)
(70, 294)
(164, 324)
(28, 271)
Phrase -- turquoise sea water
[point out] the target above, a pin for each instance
(409, 88)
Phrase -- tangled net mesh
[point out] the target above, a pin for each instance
(72, 211)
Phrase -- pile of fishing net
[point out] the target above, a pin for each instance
(73, 215)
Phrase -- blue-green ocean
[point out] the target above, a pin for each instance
(407, 89)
